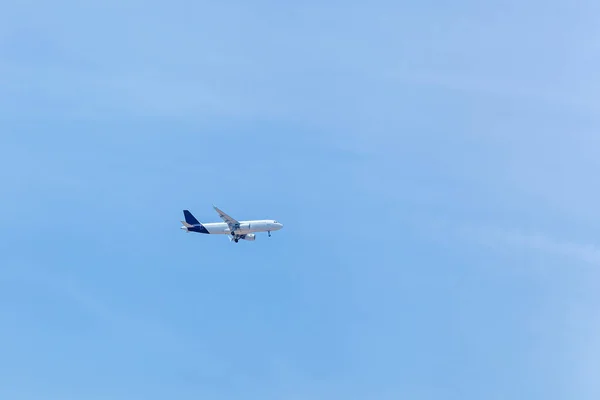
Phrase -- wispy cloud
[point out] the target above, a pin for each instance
(111, 316)
(587, 253)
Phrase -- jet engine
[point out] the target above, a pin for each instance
(249, 236)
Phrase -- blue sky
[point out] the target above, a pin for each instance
(434, 165)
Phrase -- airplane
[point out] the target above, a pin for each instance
(236, 230)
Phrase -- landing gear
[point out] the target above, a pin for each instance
(269, 232)
(236, 240)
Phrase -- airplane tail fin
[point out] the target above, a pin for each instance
(189, 218)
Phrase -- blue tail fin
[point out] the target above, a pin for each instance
(189, 218)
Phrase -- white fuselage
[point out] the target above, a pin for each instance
(245, 227)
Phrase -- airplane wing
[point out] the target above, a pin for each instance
(232, 223)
